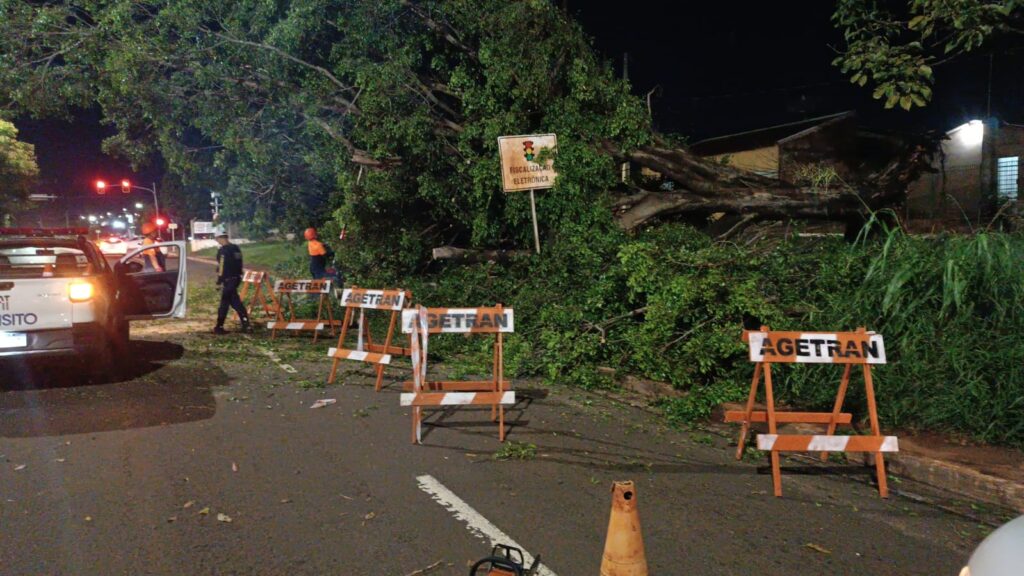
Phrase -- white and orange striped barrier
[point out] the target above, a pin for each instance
(262, 297)
(284, 290)
(421, 393)
(847, 348)
(366, 350)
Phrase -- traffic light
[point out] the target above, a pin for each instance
(160, 221)
(101, 187)
(126, 186)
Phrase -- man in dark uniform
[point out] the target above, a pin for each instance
(229, 276)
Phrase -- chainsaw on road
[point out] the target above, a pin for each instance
(504, 561)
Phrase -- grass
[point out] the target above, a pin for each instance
(264, 255)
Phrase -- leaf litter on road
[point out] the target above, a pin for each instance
(818, 548)
(223, 518)
(323, 402)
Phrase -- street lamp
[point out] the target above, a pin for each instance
(138, 205)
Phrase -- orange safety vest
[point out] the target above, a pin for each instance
(316, 248)
(153, 255)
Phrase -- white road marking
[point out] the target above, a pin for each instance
(276, 360)
(480, 527)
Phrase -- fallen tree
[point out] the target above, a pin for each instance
(703, 187)
(383, 116)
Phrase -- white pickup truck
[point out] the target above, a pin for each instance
(59, 296)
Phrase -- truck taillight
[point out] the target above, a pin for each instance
(80, 291)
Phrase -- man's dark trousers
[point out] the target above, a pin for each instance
(229, 297)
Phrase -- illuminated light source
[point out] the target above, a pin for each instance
(80, 291)
(101, 187)
(92, 218)
(126, 186)
(160, 221)
(117, 224)
(138, 205)
(971, 133)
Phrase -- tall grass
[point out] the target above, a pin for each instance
(952, 313)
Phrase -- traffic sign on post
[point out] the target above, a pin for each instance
(522, 168)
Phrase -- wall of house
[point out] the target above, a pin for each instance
(764, 161)
(833, 144)
(963, 189)
(953, 193)
(1009, 141)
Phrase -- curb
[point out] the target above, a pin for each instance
(202, 259)
(212, 261)
(955, 479)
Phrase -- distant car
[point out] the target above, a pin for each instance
(112, 244)
(59, 296)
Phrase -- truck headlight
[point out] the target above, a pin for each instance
(80, 291)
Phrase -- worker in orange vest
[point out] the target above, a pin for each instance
(320, 255)
(153, 260)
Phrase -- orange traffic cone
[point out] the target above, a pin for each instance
(624, 547)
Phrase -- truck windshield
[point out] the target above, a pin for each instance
(30, 260)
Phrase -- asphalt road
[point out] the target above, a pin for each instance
(140, 475)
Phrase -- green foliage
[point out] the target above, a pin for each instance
(516, 451)
(382, 116)
(669, 304)
(895, 45)
(18, 169)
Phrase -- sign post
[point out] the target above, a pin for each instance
(522, 170)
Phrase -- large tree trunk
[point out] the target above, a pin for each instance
(703, 187)
(469, 256)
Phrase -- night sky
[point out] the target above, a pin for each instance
(722, 67)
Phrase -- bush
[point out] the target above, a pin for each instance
(669, 304)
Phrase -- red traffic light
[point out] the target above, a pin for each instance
(126, 186)
(160, 221)
(101, 187)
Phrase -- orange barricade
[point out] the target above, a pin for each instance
(361, 299)
(285, 289)
(849, 348)
(419, 323)
(262, 298)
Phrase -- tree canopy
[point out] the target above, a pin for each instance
(382, 115)
(18, 169)
(895, 45)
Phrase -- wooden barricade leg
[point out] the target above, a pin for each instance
(330, 313)
(259, 298)
(254, 301)
(319, 314)
(745, 427)
(387, 345)
(500, 374)
(280, 313)
(772, 429)
(341, 342)
(869, 389)
(268, 294)
(838, 406)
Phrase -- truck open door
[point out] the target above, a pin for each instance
(153, 281)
